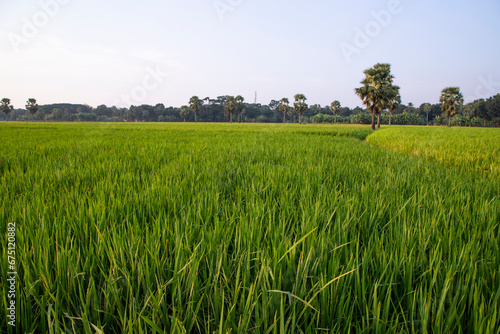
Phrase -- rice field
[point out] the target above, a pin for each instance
(477, 149)
(218, 228)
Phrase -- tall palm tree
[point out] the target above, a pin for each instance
(390, 101)
(206, 102)
(184, 113)
(6, 107)
(300, 105)
(284, 107)
(451, 99)
(410, 107)
(426, 107)
(230, 107)
(32, 106)
(240, 106)
(366, 94)
(291, 112)
(377, 89)
(195, 104)
(393, 102)
(335, 108)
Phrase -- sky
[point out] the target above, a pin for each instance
(120, 52)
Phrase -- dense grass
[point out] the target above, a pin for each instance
(477, 149)
(143, 228)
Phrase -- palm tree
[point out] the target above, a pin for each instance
(451, 99)
(426, 107)
(410, 107)
(184, 112)
(366, 94)
(291, 113)
(284, 107)
(6, 107)
(195, 104)
(32, 106)
(230, 106)
(335, 108)
(393, 103)
(377, 89)
(206, 102)
(240, 106)
(300, 105)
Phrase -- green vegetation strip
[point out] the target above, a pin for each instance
(142, 228)
(476, 149)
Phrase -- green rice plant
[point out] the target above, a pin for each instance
(477, 149)
(213, 228)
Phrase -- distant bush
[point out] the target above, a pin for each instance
(361, 118)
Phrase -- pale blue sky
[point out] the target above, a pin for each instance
(151, 51)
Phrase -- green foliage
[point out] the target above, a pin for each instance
(284, 107)
(478, 113)
(335, 108)
(459, 120)
(488, 109)
(451, 99)
(323, 118)
(57, 114)
(32, 106)
(378, 92)
(406, 118)
(393, 101)
(361, 118)
(5, 106)
(300, 105)
(240, 106)
(230, 107)
(195, 104)
(426, 108)
(152, 228)
(365, 118)
(274, 104)
(184, 113)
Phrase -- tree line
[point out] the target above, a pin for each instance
(483, 112)
(378, 93)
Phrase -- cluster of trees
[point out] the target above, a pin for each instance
(378, 93)
(6, 108)
(211, 110)
(229, 103)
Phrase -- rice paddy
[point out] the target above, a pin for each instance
(218, 228)
(477, 149)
